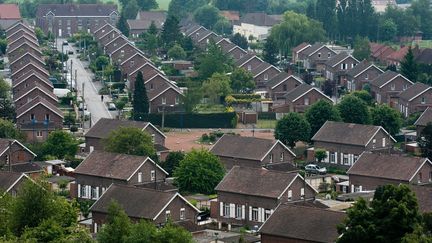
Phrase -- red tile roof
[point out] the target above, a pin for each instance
(9, 11)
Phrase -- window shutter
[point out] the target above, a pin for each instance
(342, 158)
(336, 158)
(259, 214)
(250, 213)
(243, 212)
(79, 190)
(97, 192)
(232, 210)
(221, 209)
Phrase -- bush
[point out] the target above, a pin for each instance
(191, 120)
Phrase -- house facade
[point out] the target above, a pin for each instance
(416, 98)
(423, 120)
(337, 67)
(282, 84)
(263, 73)
(12, 153)
(11, 182)
(249, 62)
(22, 85)
(361, 74)
(386, 87)
(315, 56)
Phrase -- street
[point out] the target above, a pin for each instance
(95, 106)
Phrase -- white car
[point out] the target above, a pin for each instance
(315, 169)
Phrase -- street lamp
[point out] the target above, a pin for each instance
(163, 115)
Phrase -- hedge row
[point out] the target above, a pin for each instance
(192, 120)
(267, 115)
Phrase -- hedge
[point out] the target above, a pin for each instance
(267, 115)
(194, 120)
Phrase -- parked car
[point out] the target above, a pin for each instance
(70, 52)
(65, 43)
(111, 106)
(315, 169)
(82, 106)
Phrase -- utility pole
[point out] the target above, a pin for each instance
(71, 74)
(163, 117)
(76, 82)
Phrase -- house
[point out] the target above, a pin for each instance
(109, 36)
(337, 67)
(10, 182)
(122, 53)
(257, 25)
(18, 26)
(423, 120)
(282, 84)
(296, 50)
(13, 36)
(26, 47)
(194, 28)
(255, 152)
(103, 30)
(232, 49)
(249, 62)
(23, 38)
(21, 85)
(64, 20)
(386, 87)
(104, 126)
(415, 98)
(423, 56)
(38, 118)
(12, 153)
(32, 92)
(423, 195)
(205, 39)
(144, 204)
(361, 74)
(148, 70)
(132, 63)
(345, 142)
(231, 16)
(380, 52)
(314, 56)
(397, 56)
(159, 86)
(114, 44)
(9, 15)
(263, 73)
(249, 196)
(143, 21)
(300, 98)
(375, 169)
(101, 169)
(29, 67)
(291, 223)
(24, 60)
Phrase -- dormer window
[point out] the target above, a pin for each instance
(266, 76)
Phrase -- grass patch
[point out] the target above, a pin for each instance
(163, 4)
(266, 124)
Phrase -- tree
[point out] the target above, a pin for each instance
(239, 40)
(217, 86)
(176, 52)
(409, 67)
(199, 172)
(60, 144)
(182, 8)
(101, 62)
(122, 25)
(3, 45)
(270, 51)
(130, 10)
(292, 128)
(387, 117)
(213, 61)
(117, 226)
(148, 4)
(140, 100)
(207, 16)
(242, 81)
(223, 27)
(363, 95)
(129, 140)
(8, 130)
(320, 155)
(149, 43)
(172, 161)
(320, 112)
(425, 141)
(170, 33)
(326, 14)
(361, 48)
(353, 110)
(381, 222)
(388, 30)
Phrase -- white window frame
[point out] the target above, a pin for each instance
(302, 193)
(289, 195)
(153, 175)
(140, 177)
(182, 214)
(239, 211)
(39, 133)
(167, 215)
(163, 100)
(226, 209)
(255, 213)
(383, 142)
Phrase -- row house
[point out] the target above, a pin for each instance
(101, 169)
(34, 91)
(388, 169)
(19, 51)
(109, 36)
(21, 86)
(161, 93)
(20, 32)
(157, 207)
(20, 39)
(387, 86)
(424, 119)
(144, 20)
(281, 84)
(362, 74)
(114, 44)
(263, 73)
(345, 142)
(64, 20)
(248, 196)
(103, 30)
(249, 62)
(416, 98)
(254, 152)
(24, 60)
(380, 52)
(103, 127)
(21, 25)
(132, 63)
(296, 50)
(231, 49)
(300, 99)
(315, 56)
(337, 67)
(29, 67)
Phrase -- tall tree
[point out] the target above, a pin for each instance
(170, 31)
(207, 16)
(60, 144)
(117, 227)
(320, 112)
(326, 14)
(130, 10)
(387, 117)
(122, 25)
(242, 81)
(148, 4)
(425, 141)
(152, 29)
(213, 61)
(409, 67)
(223, 27)
(353, 110)
(388, 30)
(129, 140)
(176, 52)
(172, 161)
(270, 51)
(8, 130)
(362, 49)
(292, 128)
(140, 100)
(216, 87)
(182, 8)
(239, 40)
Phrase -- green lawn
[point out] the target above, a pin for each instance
(266, 124)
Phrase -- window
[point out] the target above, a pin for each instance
(226, 211)
(271, 158)
(282, 156)
(265, 76)
(267, 214)
(177, 100)
(79, 22)
(420, 177)
(59, 22)
(345, 159)
(302, 193)
(239, 210)
(285, 88)
(249, 68)
(38, 133)
(167, 215)
(332, 157)
(328, 54)
(153, 138)
(254, 214)
(151, 85)
(152, 175)
(383, 142)
(393, 87)
(182, 214)
(131, 63)
(367, 76)
(122, 53)
(405, 86)
(83, 191)
(93, 192)
(32, 117)
(430, 176)
(139, 177)
(306, 101)
(163, 100)
(373, 143)
(355, 158)
(319, 54)
(47, 117)
(68, 22)
(289, 195)
(423, 100)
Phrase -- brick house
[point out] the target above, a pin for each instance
(122, 53)
(198, 34)
(26, 47)
(109, 36)
(249, 62)
(282, 84)
(38, 118)
(300, 98)
(104, 126)
(415, 98)
(344, 142)
(9, 15)
(20, 86)
(10, 182)
(314, 57)
(18, 26)
(362, 74)
(337, 67)
(162, 98)
(423, 195)
(18, 34)
(103, 30)
(248, 196)
(255, 152)
(114, 44)
(388, 169)
(263, 73)
(204, 40)
(423, 120)
(232, 49)
(143, 21)
(158, 84)
(12, 152)
(386, 87)
(147, 69)
(132, 63)
(64, 20)
(291, 223)
(143, 204)
(32, 92)
(296, 50)
(101, 169)
(24, 60)
(26, 37)
(28, 68)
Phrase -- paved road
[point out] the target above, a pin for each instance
(95, 106)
